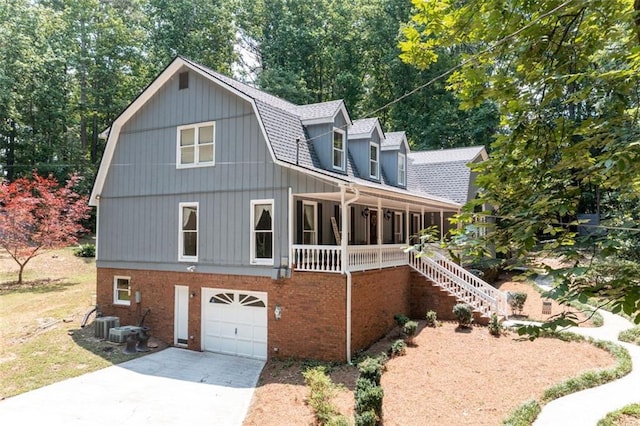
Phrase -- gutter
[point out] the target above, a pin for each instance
(344, 243)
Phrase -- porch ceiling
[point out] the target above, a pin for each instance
(392, 203)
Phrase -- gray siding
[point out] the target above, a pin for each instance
(139, 205)
(389, 164)
(359, 150)
(322, 137)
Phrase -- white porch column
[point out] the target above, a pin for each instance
(441, 225)
(290, 228)
(379, 225)
(406, 225)
(343, 232)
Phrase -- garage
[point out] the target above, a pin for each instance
(234, 322)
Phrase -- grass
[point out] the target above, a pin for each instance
(41, 341)
(616, 417)
(527, 412)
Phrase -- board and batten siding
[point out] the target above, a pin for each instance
(139, 204)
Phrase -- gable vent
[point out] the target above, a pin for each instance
(183, 82)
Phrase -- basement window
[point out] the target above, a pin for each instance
(121, 290)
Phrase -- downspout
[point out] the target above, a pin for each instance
(97, 226)
(344, 240)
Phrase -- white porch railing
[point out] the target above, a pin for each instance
(362, 258)
(318, 258)
(460, 283)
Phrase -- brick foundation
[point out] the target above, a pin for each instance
(313, 321)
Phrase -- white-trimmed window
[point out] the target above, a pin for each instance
(338, 148)
(188, 250)
(309, 222)
(402, 169)
(196, 145)
(121, 290)
(374, 160)
(262, 232)
(398, 228)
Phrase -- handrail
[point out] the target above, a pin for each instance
(460, 282)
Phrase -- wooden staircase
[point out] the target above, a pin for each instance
(460, 283)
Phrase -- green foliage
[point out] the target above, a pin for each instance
(431, 319)
(524, 415)
(516, 300)
(368, 396)
(398, 348)
(495, 326)
(321, 391)
(85, 250)
(463, 314)
(614, 418)
(400, 319)
(367, 418)
(631, 335)
(371, 368)
(567, 144)
(409, 329)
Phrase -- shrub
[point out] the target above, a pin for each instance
(368, 396)
(431, 319)
(463, 314)
(398, 348)
(371, 369)
(409, 330)
(495, 326)
(516, 300)
(367, 418)
(85, 250)
(401, 319)
(322, 389)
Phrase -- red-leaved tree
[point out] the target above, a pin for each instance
(39, 214)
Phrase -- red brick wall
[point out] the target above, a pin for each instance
(313, 323)
(377, 296)
(425, 296)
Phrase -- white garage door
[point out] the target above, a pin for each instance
(234, 322)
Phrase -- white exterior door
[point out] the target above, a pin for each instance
(181, 316)
(234, 322)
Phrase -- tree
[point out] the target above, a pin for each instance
(37, 214)
(564, 77)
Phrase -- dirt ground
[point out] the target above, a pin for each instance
(447, 377)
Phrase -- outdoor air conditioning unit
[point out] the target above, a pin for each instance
(104, 324)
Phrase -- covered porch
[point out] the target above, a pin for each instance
(376, 225)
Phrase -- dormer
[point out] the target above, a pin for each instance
(326, 124)
(365, 142)
(393, 156)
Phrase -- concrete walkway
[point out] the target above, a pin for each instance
(170, 387)
(587, 407)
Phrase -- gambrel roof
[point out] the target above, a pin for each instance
(283, 127)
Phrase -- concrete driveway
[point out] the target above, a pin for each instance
(170, 387)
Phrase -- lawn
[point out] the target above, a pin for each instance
(41, 341)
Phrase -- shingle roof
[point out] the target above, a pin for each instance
(282, 121)
(392, 141)
(467, 154)
(444, 173)
(363, 126)
(319, 110)
(448, 180)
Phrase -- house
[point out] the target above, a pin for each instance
(248, 225)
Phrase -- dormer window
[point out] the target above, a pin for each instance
(402, 169)
(374, 160)
(338, 149)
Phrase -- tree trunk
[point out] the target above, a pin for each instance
(22, 265)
